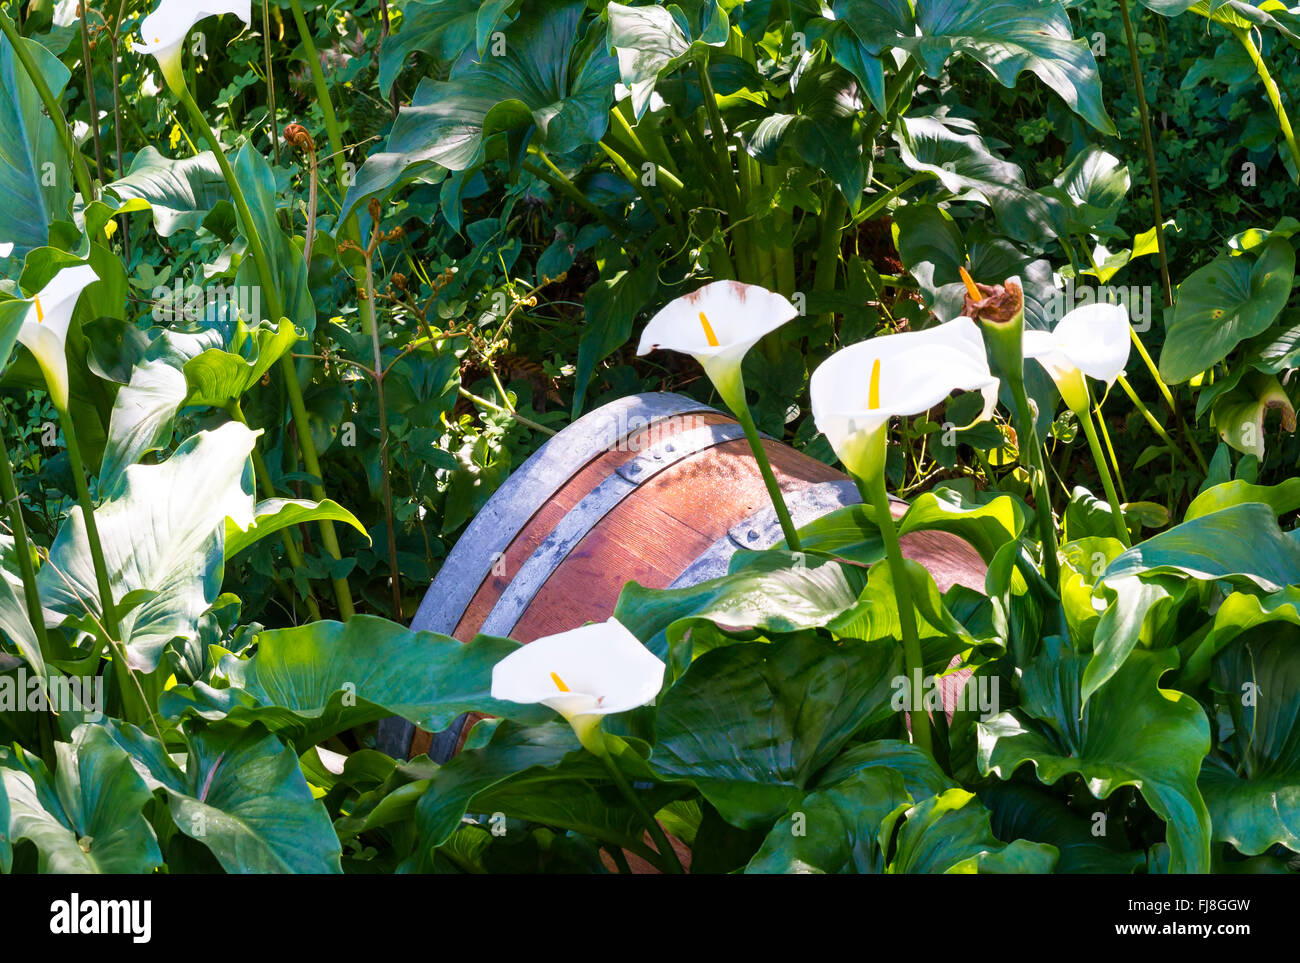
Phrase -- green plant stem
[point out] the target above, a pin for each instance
(1099, 458)
(1148, 141)
(876, 495)
(666, 851)
(1157, 427)
(828, 243)
(80, 172)
(270, 80)
(1104, 433)
(1031, 454)
(631, 177)
(1270, 88)
(92, 527)
(262, 477)
(323, 99)
(741, 411)
(9, 490)
(371, 325)
(298, 407)
(727, 179)
(557, 179)
(493, 406)
(89, 64)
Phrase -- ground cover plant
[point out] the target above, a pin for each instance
(290, 289)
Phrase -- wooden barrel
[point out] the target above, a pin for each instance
(655, 488)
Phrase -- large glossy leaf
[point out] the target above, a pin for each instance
(834, 830)
(554, 80)
(1023, 811)
(1257, 803)
(1090, 190)
(35, 177)
(162, 535)
(921, 775)
(242, 794)
(533, 750)
(274, 514)
(287, 265)
(1239, 542)
(576, 794)
(1282, 498)
(180, 192)
(218, 377)
(1005, 36)
(1132, 733)
(820, 133)
(1133, 605)
(1232, 298)
(652, 40)
(142, 418)
(783, 599)
(444, 29)
(316, 680)
(951, 150)
(86, 817)
(750, 725)
(860, 31)
(950, 833)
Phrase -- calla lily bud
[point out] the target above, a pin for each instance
(164, 32)
(584, 674)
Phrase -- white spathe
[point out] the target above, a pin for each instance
(164, 31)
(45, 327)
(583, 674)
(1092, 340)
(914, 371)
(737, 316)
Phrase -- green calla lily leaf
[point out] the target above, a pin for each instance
(87, 816)
(651, 41)
(1257, 803)
(180, 192)
(1131, 733)
(316, 680)
(183, 503)
(242, 794)
(1212, 547)
(1233, 298)
(834, 830)
(751, 724)
(553, 82)
(142, 419)
(35, 176)
(950, 833)
(275, 514)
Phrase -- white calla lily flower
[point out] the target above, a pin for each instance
(164, 31)
(583, 674)
(858, 389)
(1092, 340)
(717, 325)
(45, 327)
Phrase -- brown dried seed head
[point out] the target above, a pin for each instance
(297, 136)
(999, 304)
